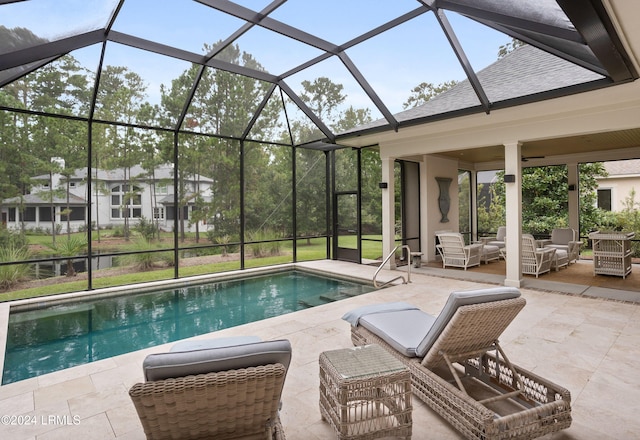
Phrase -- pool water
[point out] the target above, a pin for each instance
(61, 336)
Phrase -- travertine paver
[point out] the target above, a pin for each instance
(587, 345)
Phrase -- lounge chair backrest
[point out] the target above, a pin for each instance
(456, 300)
(563, 236)
(175, 364)
(501, 233)
(225, 393)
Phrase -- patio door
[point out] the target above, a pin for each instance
(346, 226)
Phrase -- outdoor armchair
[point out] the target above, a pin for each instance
(208, 389)
(499, 238)
(455, 253)
(536, 261)
(458, 367)
(566, 239)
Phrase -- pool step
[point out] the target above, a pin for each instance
(329, 298)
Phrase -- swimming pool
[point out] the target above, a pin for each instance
(60, 336)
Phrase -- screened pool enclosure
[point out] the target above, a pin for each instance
(143, 141)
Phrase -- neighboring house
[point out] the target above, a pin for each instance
(151, 197)
(623, 179)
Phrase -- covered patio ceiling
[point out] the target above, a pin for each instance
(610, 145)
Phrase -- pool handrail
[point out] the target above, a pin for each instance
(399, 277)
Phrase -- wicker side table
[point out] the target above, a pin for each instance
(365, 393)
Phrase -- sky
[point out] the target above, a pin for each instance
(393, 63)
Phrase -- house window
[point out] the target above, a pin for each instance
(171, 213)
(162, 188)
(126, 202)
(46, 214)
(77, 214)
(29, 214)
(158, 213)
(604, 199)
(72, 184)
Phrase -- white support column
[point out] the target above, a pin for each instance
(473, 204)
(513, 194)
(388, 211)
(573, 178)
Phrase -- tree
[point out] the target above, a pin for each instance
(506, 49)
(425, 91)
(545, 197)
(121, 95)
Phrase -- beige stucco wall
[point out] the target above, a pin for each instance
(621, 188)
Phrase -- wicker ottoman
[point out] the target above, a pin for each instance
(365, 393)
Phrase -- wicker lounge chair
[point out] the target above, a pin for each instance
(459, 369)
(210, 391)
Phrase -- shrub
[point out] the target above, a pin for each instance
(146, 228)
(262, 247)
(144, 259)
(13, 273)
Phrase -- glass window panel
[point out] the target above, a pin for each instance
(371, 195)
(29, 214)
(271, 125)
(225, 103)
(481, 44)
(394, 68)
(354, 109)
(134, 83)
(333, 20)
(45, 214)
(267, 49)
(268, 192)
(303, 129)
(311, 193)
(212, 167)
(64, 86)
(184, 24)
(346, 169)
(35, 21)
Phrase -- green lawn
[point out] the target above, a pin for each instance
(316, 250)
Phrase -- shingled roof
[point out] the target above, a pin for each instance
(527, 71)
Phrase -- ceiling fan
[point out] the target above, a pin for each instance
(527, 158)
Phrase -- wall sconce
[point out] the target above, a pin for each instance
(509, 178)
(383, 185)
(572, 187)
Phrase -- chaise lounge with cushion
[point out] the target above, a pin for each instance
(458, 367)
(222, 389)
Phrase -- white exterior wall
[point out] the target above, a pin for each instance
(101, 211)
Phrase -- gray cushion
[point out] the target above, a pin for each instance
(562, 236)
(185, 363)
(413, 332)
(200, 344)
(402, 329)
